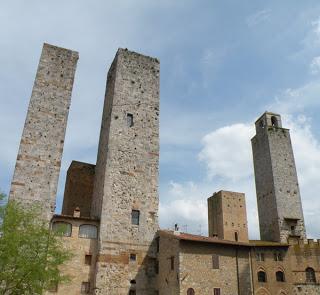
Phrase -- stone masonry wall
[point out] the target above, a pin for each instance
(168, 279)
(78, 189)
(39, 158)
(127, 175)
(78, 269)
(196, 269)
(227, 216)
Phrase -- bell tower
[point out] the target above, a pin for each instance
(278, 194)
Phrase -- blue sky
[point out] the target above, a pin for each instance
(223, 63)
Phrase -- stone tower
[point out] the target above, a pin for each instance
(227, 216)
(125, 196)
(278, 195)
(39, 158)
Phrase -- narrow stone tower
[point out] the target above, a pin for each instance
(227, 216)
(278, 195)
(39, 158)
(125, 196)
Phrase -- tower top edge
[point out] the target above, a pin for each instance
(130, 52)
(267, 113)
(47, 45)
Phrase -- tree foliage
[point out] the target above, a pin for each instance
(30, 253)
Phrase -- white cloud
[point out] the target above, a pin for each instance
(227, 151)
(315, 65)
(258, 17)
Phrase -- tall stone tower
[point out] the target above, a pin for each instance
(125, 196)
(278, 195)
(39, 158)
(227, 216)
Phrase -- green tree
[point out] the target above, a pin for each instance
(30, 253)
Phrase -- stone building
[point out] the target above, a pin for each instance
(110, 209)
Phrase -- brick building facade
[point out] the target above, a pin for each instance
(110, 209)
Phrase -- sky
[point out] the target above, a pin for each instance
(223, 63)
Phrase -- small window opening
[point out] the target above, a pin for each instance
(130, 120)
(260, 256)
(190, 291)
(88, 231)
(277, 256)
(216, 291)
(158, 244)
(156, 266)
(274, 121)
(63, 228)
(85, 288)
(280, 276)
(262, 277)
(135, 217)
(88, 259)
(133, 257)
(133, 282)
(53, 287)
(215, 261)
(310, 275)
(236, 236)
(132, 292)
(172, 262)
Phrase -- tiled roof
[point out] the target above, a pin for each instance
(214, 240)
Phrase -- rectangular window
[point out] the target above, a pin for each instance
(132, 292)
(215, 261)
(88, 259)
(85, 288)
(135, 217)
(158, 244)
(259, 256)
(133, 257)
(129, 120)
(277, 256)
(172, 262)
(156, 266)
(216, 291)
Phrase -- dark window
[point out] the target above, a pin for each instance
(85, 288)
(129, 120)
(236, 236)
(280, 276)
(88, 231)
(172, 262)
(277, 256)
(215, 261)
(53, 287)
(88, 259)
(190, 291)
(156, 266)
(274, 121)
(310, 275)
(158, 244)
(132, 292)
(133, 282)
(135, 217)
(63, 228)
(262, 277)
(259, 256)
(133, 257)
(216, 291)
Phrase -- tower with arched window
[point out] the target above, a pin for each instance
(278, 194)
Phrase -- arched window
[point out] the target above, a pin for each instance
(63, 228)
(274, 121)
(262, 277)
(190, 291)
(310, 275)
(280, 276)
(88, 231)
